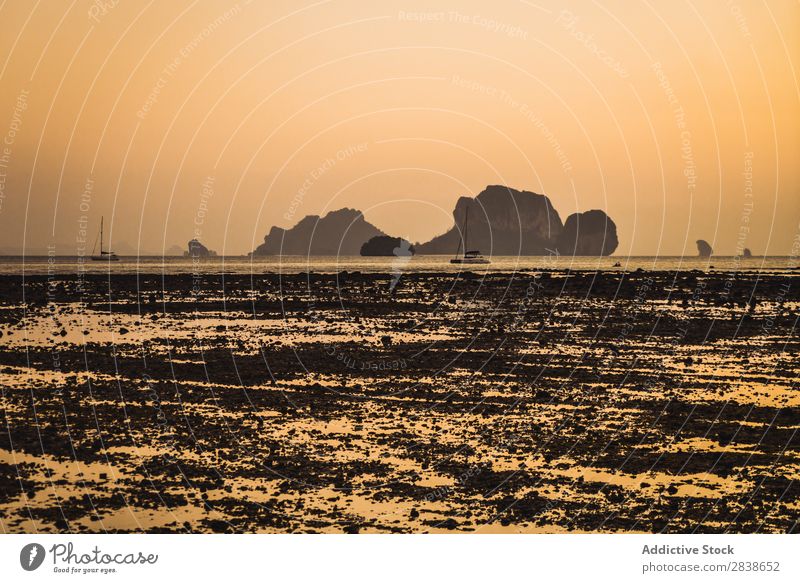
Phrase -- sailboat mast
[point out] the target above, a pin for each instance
(101, 235)
(466, 231)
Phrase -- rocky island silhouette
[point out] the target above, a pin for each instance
(704, 249)
(340, 232)
(502, 221)
(386, 246)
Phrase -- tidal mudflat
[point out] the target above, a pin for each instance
(547, 401)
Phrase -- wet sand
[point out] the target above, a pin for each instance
(528, 402)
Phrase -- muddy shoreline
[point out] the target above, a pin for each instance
(542, 401)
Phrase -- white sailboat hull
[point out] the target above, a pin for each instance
(471, 260)
(105, 258)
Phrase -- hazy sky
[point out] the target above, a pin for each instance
(680, 119)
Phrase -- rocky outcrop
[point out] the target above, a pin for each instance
(590, 233)
(502, 221)
(386, 246)
(197, 249)
(747, 254)
(341, 232)
(703, 248)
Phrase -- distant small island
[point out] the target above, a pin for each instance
(386, 246)
(704, 249)
(197, 250)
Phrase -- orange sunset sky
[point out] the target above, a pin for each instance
(221, 119)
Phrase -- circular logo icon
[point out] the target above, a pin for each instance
(31, 556)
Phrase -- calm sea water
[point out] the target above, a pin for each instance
(331, 264)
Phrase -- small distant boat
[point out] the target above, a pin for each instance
(104, 255)
(469, 257)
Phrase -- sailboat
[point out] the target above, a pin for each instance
(104, 255)
(471, 257)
